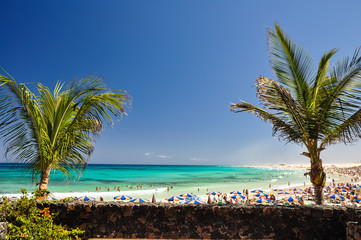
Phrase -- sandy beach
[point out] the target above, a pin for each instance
(334, 178)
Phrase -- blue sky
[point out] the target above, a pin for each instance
(183, 62)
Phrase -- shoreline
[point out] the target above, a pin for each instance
(266, 185)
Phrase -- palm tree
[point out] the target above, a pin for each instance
(313, 107)
(55, 130)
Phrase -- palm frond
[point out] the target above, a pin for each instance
(291, 64)
(342, 96)
(280, 127)
(19, 124)
(348, 131)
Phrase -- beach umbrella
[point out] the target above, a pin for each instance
(238, 196)
(285, 193)
(291, 199)
(195, 202)
(174, 198)
(256, 191)
(187, 195)
(235, 192)
(358, 200)
(122, 197)
(139, 200)
(357, 197)
(85, 198)
(214, 193)
(301, 192)
(51, 198)
(277, 190)
(263, 200)
(336, 197)
(261, 195)
(342, 190)
(296, 189)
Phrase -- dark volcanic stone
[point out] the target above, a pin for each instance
(127, 220)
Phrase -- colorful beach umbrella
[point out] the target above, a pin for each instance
(357, 197)
(139, 200)
(122, 197)
(358, 200)
(256, 191)
(284, 193)
(235, 192)
(263, 200)
(261, 195)
(174, 198)
(342, 190)
(238, 196)
(291, 199)
(277, 190)
(336, 197)
(296, 189)
(214, 193)
(85, 198)
(187, 195)
(195, 202)
(301, 192)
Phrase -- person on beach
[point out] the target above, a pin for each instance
(301, 201)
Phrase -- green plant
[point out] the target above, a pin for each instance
(314, 106)
(26, 221)
(56, 129)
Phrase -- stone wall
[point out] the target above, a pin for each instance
(126, 220)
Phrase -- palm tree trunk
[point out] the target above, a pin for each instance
(44, 178)
(319, 195)
(318, 179)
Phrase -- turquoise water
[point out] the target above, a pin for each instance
(154, 179)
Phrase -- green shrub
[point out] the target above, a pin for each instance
(26, 221)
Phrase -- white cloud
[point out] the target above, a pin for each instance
(163, 156)
(148, 154)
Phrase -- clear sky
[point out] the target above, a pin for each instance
(183, 62)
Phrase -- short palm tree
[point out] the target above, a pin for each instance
(55, 130)
(314, 107)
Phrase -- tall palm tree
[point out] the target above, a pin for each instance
(314, 107)
(55, 130)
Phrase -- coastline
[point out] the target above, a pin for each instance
(291, 178)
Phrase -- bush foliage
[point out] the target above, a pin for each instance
(26, 221)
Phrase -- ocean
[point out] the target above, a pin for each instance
(146, 180)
